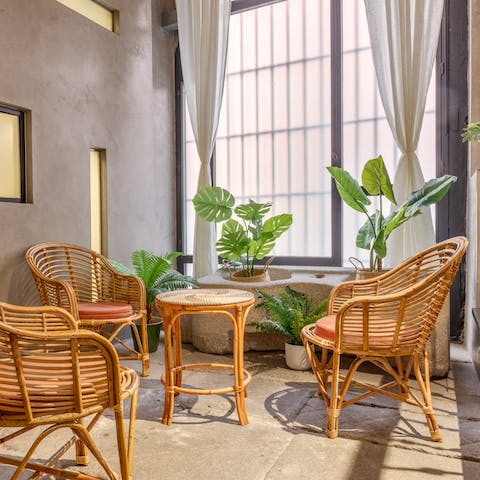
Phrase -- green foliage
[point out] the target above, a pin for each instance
(374, 233)
(157, 273)
(471, 133)
(248, 239)
(289, 313)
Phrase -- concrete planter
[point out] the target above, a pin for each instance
(213, 333)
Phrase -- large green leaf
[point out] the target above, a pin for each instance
(432, 192)
(253, 211)
(233, 244)
(365, 235)
(371, 230)
(214, 204)
(375, 179)
(349, 189)
(263, 244)
(380, 244)
(261, 247)
(278, 224)
(149, 267)
(397, 218)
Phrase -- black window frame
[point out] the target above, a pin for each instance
(451, 77)
(21, 115)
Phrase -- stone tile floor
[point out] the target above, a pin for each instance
(285, 438)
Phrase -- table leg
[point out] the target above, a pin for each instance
(238, 334)
(169, 376)
(177, 332)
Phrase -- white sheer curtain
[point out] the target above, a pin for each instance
(404, 36)
(203, 36)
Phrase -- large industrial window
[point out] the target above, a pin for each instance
(12, 155)
(300, 94)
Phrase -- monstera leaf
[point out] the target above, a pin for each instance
(214, 204)
(233, 243)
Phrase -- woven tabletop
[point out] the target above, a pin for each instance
(205, 296)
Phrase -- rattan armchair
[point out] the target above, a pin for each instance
(386, 321)
(102, 299)
(54, 376)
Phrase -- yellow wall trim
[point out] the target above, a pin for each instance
(93, 11)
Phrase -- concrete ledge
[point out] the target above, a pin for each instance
(213, 333)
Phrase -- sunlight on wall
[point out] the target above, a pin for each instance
(98, 212)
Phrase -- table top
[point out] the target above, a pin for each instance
(205, 296)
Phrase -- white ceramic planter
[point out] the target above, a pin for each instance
(296, 357)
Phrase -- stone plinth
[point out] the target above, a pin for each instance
(213, 334)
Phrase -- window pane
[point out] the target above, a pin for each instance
(10, 161)
(273, 141)
(366, 133)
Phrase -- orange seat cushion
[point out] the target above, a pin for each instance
(104, 310)
(325, 327)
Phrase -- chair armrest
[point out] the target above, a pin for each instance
(56, 293)
(38, 319)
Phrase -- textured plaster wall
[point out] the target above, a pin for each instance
(473, 221)
(88, 87)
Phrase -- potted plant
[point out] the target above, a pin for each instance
(288, 313)
(374, 233)
(158, 275)
(248, 239)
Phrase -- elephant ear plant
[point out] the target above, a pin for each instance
(248, 239)
(374, 233)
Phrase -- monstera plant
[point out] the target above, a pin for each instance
(250, 237)
(374, 233)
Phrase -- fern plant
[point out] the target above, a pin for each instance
(157, 273)
(289, 312)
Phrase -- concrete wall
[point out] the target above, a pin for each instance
(88, 87)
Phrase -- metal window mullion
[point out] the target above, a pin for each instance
(336, 113)
(289, 124)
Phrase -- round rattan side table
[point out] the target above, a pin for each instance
(235, 304)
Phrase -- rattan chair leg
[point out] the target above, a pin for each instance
(81, 454)
(333, 408)
(131, 430)
(87, 439)
(424, 384)
(122, 444)
(318, 369)
(144, 350)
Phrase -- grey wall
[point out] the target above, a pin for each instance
(88, 87)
